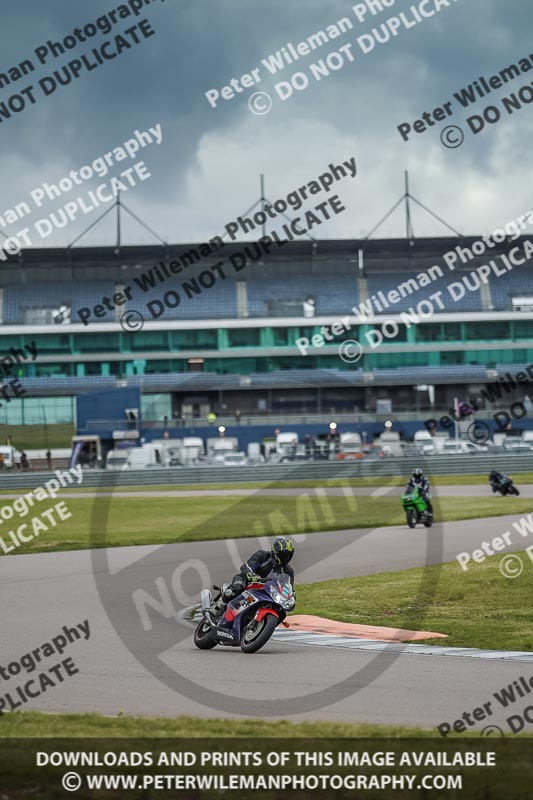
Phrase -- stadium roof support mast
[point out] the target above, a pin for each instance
(118, 204)
(263, 227)
(118, 219)
(262, 201)
(406, 198)
(409, 232)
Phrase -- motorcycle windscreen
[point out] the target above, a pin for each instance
(283, 583)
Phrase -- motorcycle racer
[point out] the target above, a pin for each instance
(500, 482)
(495, 479)
(419, 481)
(255, 570)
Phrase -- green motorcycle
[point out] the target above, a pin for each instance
(416, 509)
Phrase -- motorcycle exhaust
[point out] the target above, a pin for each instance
(205, 599)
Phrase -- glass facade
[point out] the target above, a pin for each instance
(38, 411)
(252, 350)
(156, 406)
(243, 351)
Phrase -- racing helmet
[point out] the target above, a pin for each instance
(417, 475)
(282, 551)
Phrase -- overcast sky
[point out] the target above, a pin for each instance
(206, 171)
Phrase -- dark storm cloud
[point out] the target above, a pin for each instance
(210, 159)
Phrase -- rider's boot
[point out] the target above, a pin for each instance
(216, 611)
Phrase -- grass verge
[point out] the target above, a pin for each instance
(478, 608)
(370, 483)
(29, 733)
(119, 521)
(38, 437)
(30, 724)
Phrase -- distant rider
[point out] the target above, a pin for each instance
(255, 570)
(496, 479)
(419, 481)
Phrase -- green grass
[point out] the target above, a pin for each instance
(34, 437)
(159, 520)
(23, 734)
(118, 521)
(478, 608)
(34, 724)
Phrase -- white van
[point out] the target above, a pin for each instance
(117, 459)
(391, 444)
(460, 447)
(351, 446)
(218, 449)
(422, 438)
(235, 460)
(146, 456)
(134, 458)
(427, 444)
(191, 449)
(286, 443)
(8, 454)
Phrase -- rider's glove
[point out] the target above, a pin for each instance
(251, 577)
(228, 594)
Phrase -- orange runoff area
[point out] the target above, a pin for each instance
(311, 624)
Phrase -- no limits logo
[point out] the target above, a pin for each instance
(162, 584)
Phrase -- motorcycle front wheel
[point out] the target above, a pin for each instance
(514, 490)
(204, 638)
(412, 517)
(256, 634)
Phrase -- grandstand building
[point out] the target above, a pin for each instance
(222, 329)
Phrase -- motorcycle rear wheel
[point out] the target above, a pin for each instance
(252, 639)
(204, 638)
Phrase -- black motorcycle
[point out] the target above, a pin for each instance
(505, 486)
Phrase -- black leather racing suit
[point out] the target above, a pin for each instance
(423, 488)
(496, 479)
(262, 564)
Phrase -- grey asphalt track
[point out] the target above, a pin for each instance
(42, 593)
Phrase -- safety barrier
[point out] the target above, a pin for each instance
(318, 470)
